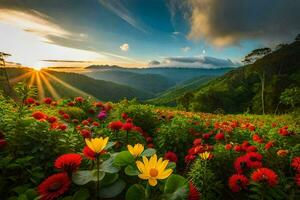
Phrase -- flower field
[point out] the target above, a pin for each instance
(76, 149)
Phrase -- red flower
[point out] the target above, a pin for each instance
(52, 120)
(228, 146)
(245, 145)
(171, 156)
(62, 127)
(297, 179)
(66, 116)
(254, 159)
(220, 136)
(2, 143)
(257, 138)
(150, 145)
(54, 186)
(189, 158)
(61, 112)
(47, 100)
(206, 136)
(238, 148)
(251, 149)
(85, 133)
(269, 145)
(296, 163)
(237, 182)
(115, 126)
(127, 126)
(29, 101)
(95, 124)
(75, 121)
(79, 99)
(197, 141)
(194, 194)
(241, 164)
(90, 154)
(68, 162)
(38, 115)
(124, 116)
(71, 103)
(85, 122)
(265, 175)
(284, 131)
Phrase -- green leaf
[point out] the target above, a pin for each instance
(136, 191)
(148, 152)
(31, 193)
(171, 165)
(112, 190)
(123, 158)
(81, 194)
(85, 176)
(107, 166)
(109, 145)
(131, 171)
(176, 187)
(22, 197)
(109, 179)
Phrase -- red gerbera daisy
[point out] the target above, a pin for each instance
(38, 115)
(254, 159)
(54, 186)
(127, 126)
(194, 194)
(237, 182)
(265, 174)
(220, 136)
(241, 164)
(115, 126)
(171, 156)
(296, 163)
(90, 154)
(47, 100)
(85, 133)
(68, 162)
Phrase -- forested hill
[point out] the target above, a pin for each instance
(69, 85)
(275, 77)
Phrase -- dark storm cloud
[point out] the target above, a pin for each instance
(227, 22)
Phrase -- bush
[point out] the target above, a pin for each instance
(143, 116)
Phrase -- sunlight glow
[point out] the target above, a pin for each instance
(40, 88)
(52, 91)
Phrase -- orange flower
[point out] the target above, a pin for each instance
(282, 152)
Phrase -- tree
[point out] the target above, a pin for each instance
(185, 100)
(3, 55)
(256, 54)
(290, 97)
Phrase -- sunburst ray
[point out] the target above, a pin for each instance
(52, 91)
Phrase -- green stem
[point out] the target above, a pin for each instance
(147, 191)
(98, 181)
(127, 137)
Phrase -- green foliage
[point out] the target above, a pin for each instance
(240, 90)
(204, 178)
(291, 97)
(174, 137)
(75, 113)
(143, 116)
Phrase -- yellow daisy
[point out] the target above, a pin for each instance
(153, 169)
(136, 150)
(96, 144)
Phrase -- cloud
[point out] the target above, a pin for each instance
(120, 10)
(153, 62)
(124, 47)
(204, 62)
(228, 22)
(186, 49)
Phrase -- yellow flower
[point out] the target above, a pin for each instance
(153, 169)
(96, 144)
(136, 150)
(205, 155)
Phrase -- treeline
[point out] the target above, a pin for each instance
(268, 83)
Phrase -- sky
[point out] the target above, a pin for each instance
(141, 33)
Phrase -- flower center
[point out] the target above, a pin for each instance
(54, 187)
(153, 172)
